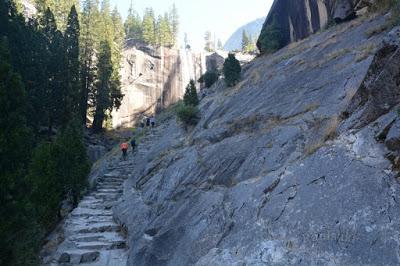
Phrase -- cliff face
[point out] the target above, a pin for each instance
(296, 165)
(298, 19)
(153, 79)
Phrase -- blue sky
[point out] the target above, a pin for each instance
(222, 17)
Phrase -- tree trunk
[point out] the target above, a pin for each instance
(98, 121)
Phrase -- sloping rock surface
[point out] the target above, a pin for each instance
(280, 169)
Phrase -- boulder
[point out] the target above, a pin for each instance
(344, 10)
(392, 38)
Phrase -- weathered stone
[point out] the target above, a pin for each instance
(90, 257)
(392, 38)
(153, 79)
(393, 137)
(214, 62)
(64, 258)
(344, 10)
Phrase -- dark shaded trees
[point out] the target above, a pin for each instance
(232, 70)
(270, 38)
(107, 94)
(15, 143)
(190, 97)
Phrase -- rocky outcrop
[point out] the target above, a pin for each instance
(298, 19)
(278, 171)
(153, 78)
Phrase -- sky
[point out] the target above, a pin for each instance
(221, 17)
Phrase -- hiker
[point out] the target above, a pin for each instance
(147, 122)
(124, 148)
(152, 121)
(133, 144)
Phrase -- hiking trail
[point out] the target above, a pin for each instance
(90, 235)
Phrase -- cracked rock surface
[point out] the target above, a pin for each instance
(288, 167)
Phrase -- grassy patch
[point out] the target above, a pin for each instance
(169, 112)
(376, 30)
(364, 52)
(325, 132)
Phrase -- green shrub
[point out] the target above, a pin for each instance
(209, 78)
(190, 97)
(232, 70)
(270, 39)
(57, 170)
(188, 114)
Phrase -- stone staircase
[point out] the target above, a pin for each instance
(90, 234)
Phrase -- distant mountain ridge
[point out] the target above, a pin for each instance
(253, 28)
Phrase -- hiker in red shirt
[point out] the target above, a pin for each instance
(124, 148)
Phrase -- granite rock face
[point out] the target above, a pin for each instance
(298, 19)
(288, 167)
(154, 78)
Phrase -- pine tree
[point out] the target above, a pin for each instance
(133, 25)
(55, 68)
(270, 38)
(118, 38)
(106, 26)
(232, 70)
(108, 94)
(164, 32)
(209, 46)
(190, 97)
(245, 41)
(15, 143)
(89, 23)
(148, 27)
(219, 45)
(174, 22)
(60, 9)
(72, 79)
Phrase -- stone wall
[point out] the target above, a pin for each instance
(154, 78)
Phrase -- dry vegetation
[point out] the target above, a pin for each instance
(323, 133)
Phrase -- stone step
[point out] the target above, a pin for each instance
(78, 256)
(114, 178)
(92, 237)
(98, 228)
(110, 190)
(93, 206)
(90, 221)
(107, 196)
(90, 212)
(100, 245)
(112, 183)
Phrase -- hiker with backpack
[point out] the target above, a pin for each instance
(124, 148)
